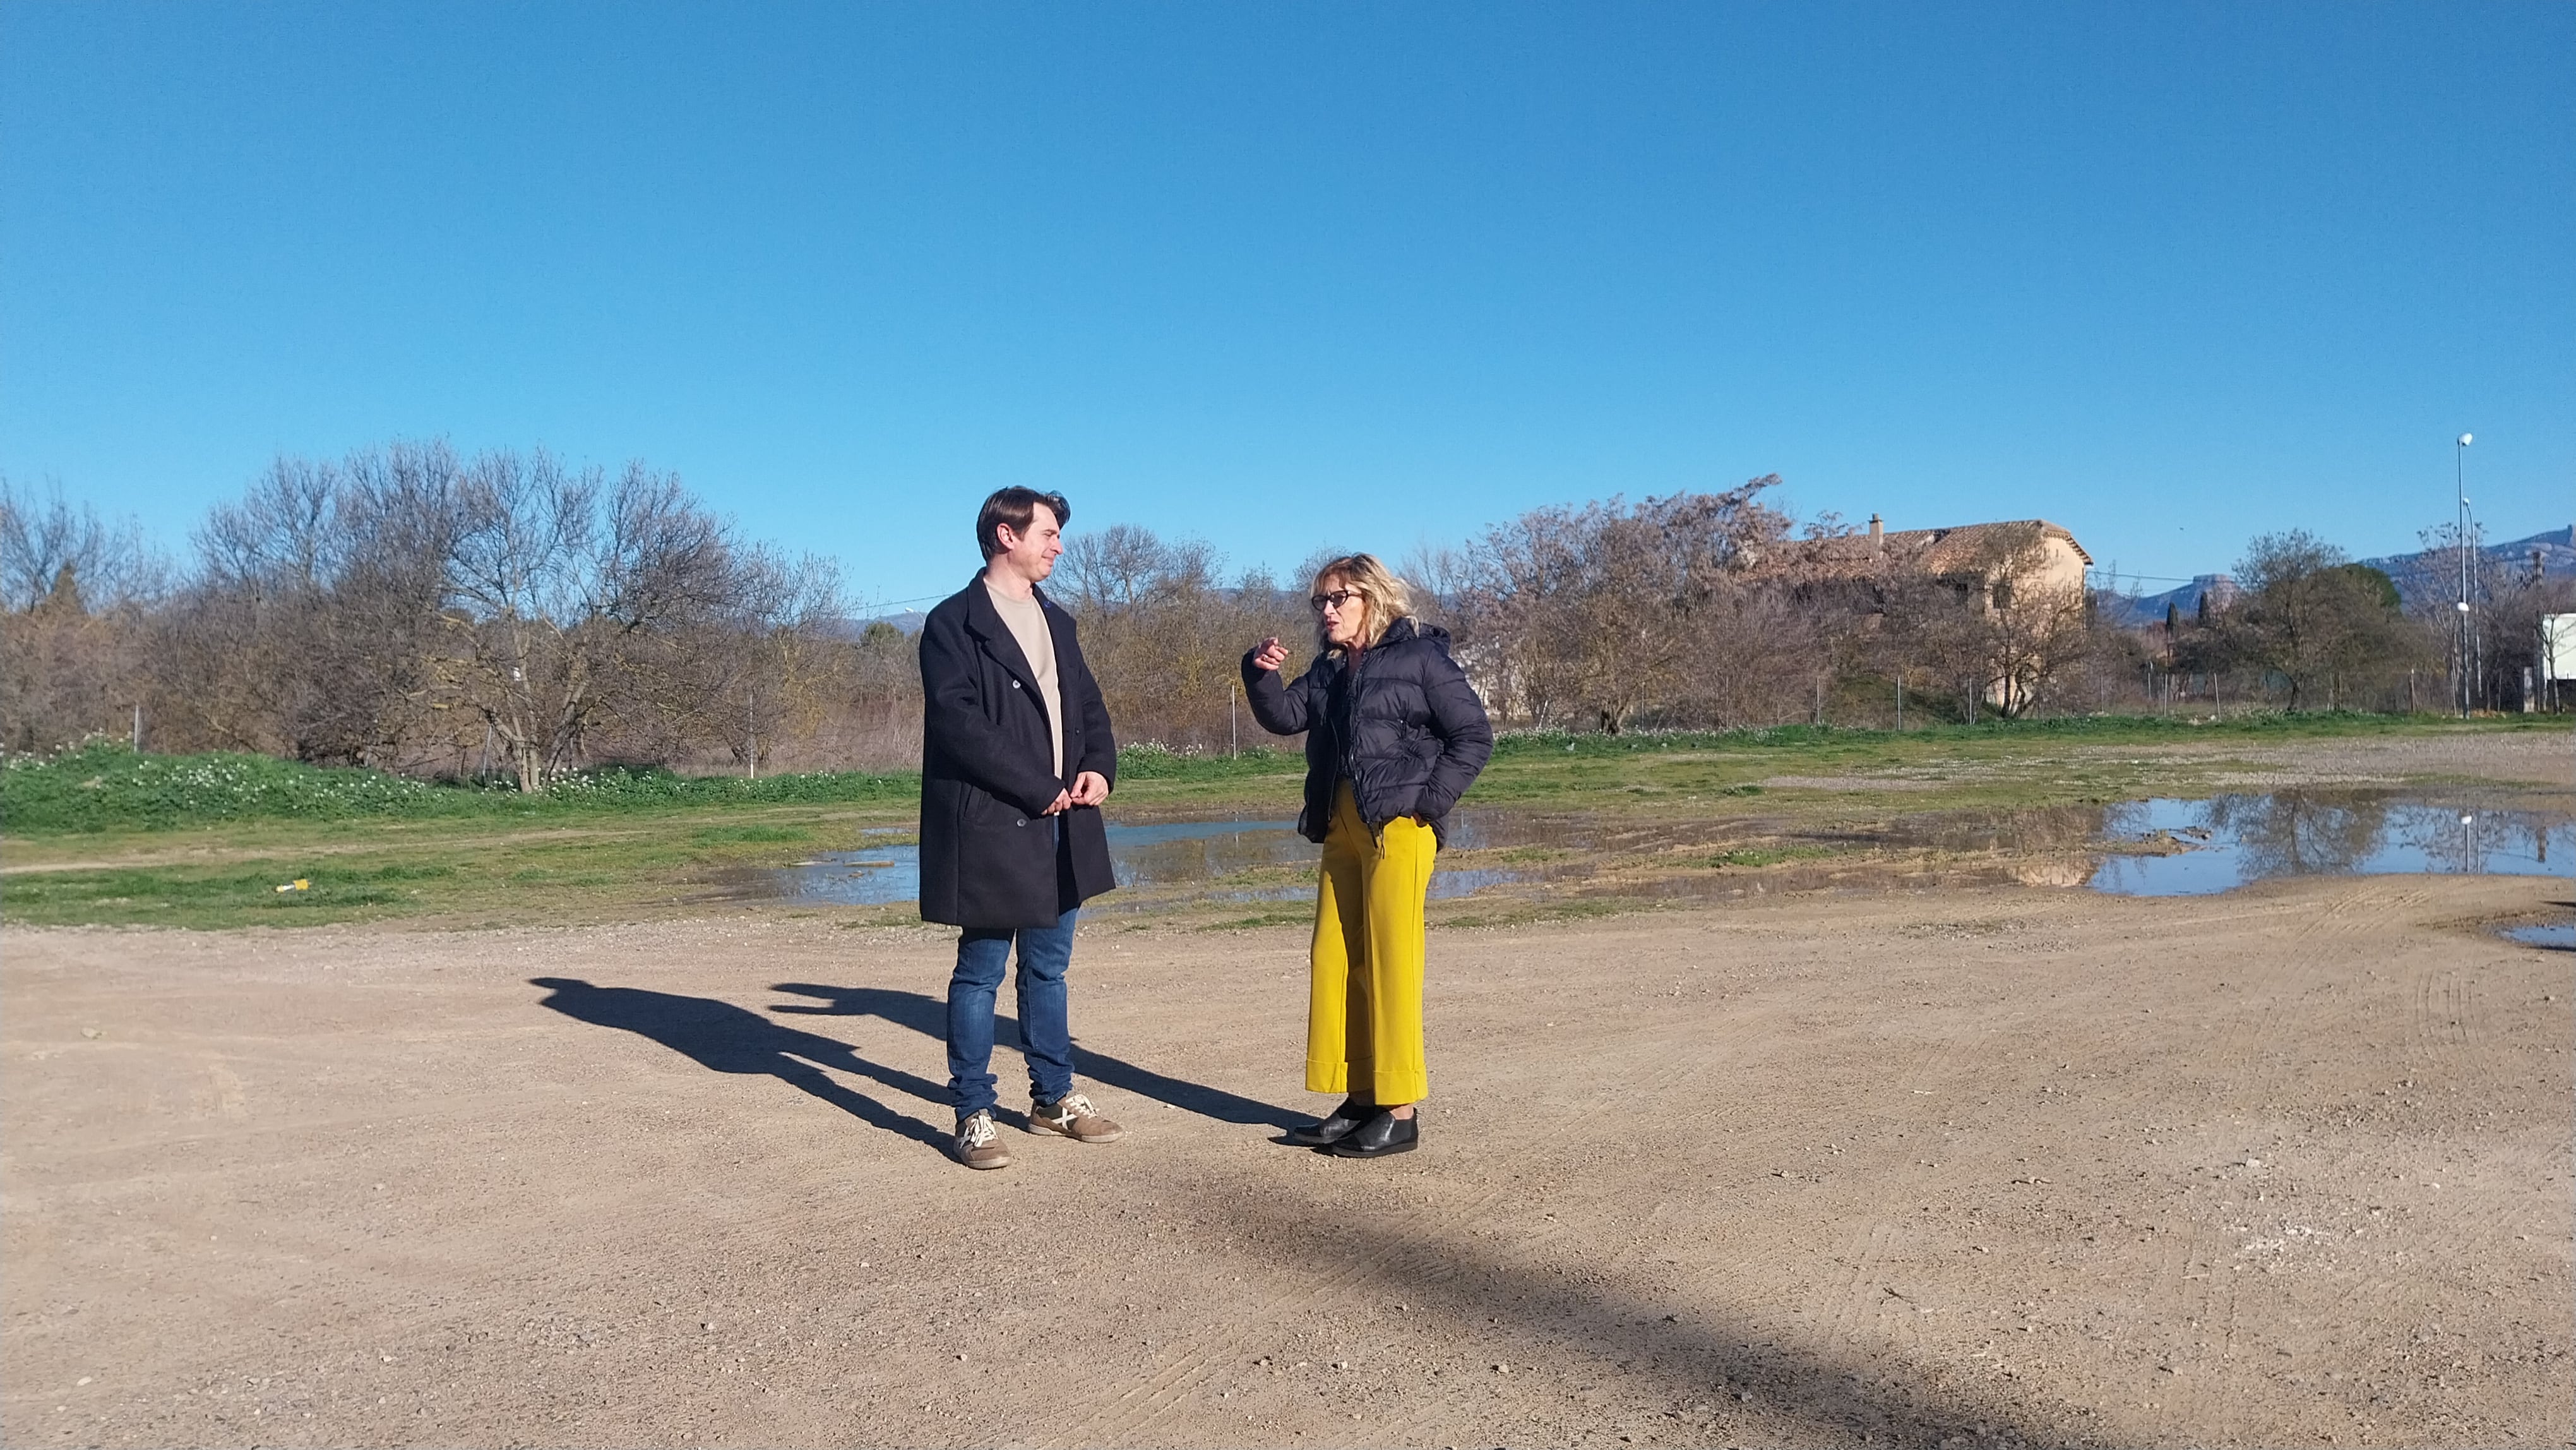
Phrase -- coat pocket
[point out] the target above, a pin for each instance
(981, 811)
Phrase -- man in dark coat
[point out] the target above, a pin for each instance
(1016, 757)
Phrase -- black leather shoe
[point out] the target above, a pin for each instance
(1379, 1136)
(1334, 1129)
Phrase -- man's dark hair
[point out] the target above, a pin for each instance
(1015, 506)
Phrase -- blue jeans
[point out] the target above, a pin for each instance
(1045, 1039)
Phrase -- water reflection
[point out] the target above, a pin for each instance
(1230, 860)
(2162, 847)
(1177, 851)
(2198, 847)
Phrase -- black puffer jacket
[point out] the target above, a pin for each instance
(1403, 726)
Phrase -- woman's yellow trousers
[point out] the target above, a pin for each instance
(1364, 1005)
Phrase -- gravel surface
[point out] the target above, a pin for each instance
(2005, 1166)
(2535, 757)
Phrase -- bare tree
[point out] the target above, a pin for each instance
(1163, 633)
(2309, 615)
(52, 552)
(1599, 613)
(569, 600)
(2509, 616)
(773, 653)
(1985, 623)
(307, 627)
(76, 593)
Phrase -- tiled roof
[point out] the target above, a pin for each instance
(1939, 550)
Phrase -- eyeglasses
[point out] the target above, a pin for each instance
(1338, 599)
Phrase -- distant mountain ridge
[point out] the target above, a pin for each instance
(2135, 611)
(2421, 575)
(2418, 575)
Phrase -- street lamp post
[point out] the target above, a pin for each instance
(2460, 485)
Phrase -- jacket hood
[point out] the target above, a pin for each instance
(1406, 630)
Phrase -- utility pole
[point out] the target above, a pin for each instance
(2460, 485)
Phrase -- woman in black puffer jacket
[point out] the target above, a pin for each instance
(1394, 735)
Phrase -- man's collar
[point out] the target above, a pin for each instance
(984, 577)
(985, 620)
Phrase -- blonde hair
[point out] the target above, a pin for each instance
(1384, 594)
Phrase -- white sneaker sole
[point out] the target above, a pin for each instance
(1040, 1125)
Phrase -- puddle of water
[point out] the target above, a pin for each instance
(1168, 853)
(2163, 847)
(2199, 847)
(2554, 936)
(1178, 851)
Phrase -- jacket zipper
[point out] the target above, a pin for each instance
(1347, 727)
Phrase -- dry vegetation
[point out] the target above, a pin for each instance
(517, 617)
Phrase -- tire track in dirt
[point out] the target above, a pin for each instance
(1883, 1237)
(2267, 991)
(2314, 934)
(1858, 1289)
(2242, 1062)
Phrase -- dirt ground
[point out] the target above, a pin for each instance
(2285, 1166)
(2536, 757)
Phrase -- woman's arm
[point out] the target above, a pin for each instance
(1281, 709)
(1466, 736)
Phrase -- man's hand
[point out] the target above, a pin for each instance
(1056, 807)
(1271, 655)
(1090, 788)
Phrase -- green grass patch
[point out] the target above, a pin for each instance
(1581, 909)
(103, 786)
(600, 871)
(1155, 762)
(748, 835)
(1799, 739)
(237, 896)
(1267, 918)
(103, 835)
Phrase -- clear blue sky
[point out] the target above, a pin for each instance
(1289, 275)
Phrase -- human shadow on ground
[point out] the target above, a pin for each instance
(1723, 1377)
(928, 1016)
(724, 1038)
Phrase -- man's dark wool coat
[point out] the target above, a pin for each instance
(1404, 728)
(988, 857)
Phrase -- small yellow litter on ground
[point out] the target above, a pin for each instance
(298, 884)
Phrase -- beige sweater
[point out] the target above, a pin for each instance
(1028, 624)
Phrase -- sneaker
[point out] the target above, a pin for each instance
(1073, 1116)
(978, 1145)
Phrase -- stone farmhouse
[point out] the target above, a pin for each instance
(2024, 576)
(2026, 559)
